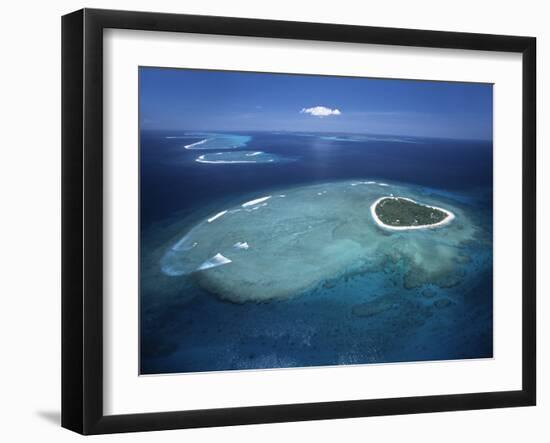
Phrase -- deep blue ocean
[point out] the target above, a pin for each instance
(184, 328)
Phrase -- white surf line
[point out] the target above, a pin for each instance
(450, 216)
(366, 183)
(252, 154)
(256, 201)
(214, 262)
(218, 215)
(195, 144)
(201, 159)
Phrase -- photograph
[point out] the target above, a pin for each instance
(303, 220)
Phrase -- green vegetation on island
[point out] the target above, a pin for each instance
(403, 212)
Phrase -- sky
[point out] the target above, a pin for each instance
(205, 100)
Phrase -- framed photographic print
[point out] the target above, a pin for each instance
(269, 221)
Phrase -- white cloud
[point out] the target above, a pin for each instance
(320, 111)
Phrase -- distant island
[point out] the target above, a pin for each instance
(400, 213)
(241, 157)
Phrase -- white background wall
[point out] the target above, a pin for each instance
(30, 218)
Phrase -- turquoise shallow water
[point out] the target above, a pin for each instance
(382, 305)
(347, 293)
(280, 244)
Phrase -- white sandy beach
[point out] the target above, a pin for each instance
(450, 216)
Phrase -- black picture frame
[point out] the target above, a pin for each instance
(82, 218)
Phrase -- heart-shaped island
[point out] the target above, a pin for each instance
(401, 213)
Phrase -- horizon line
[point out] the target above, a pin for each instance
(235, 132)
